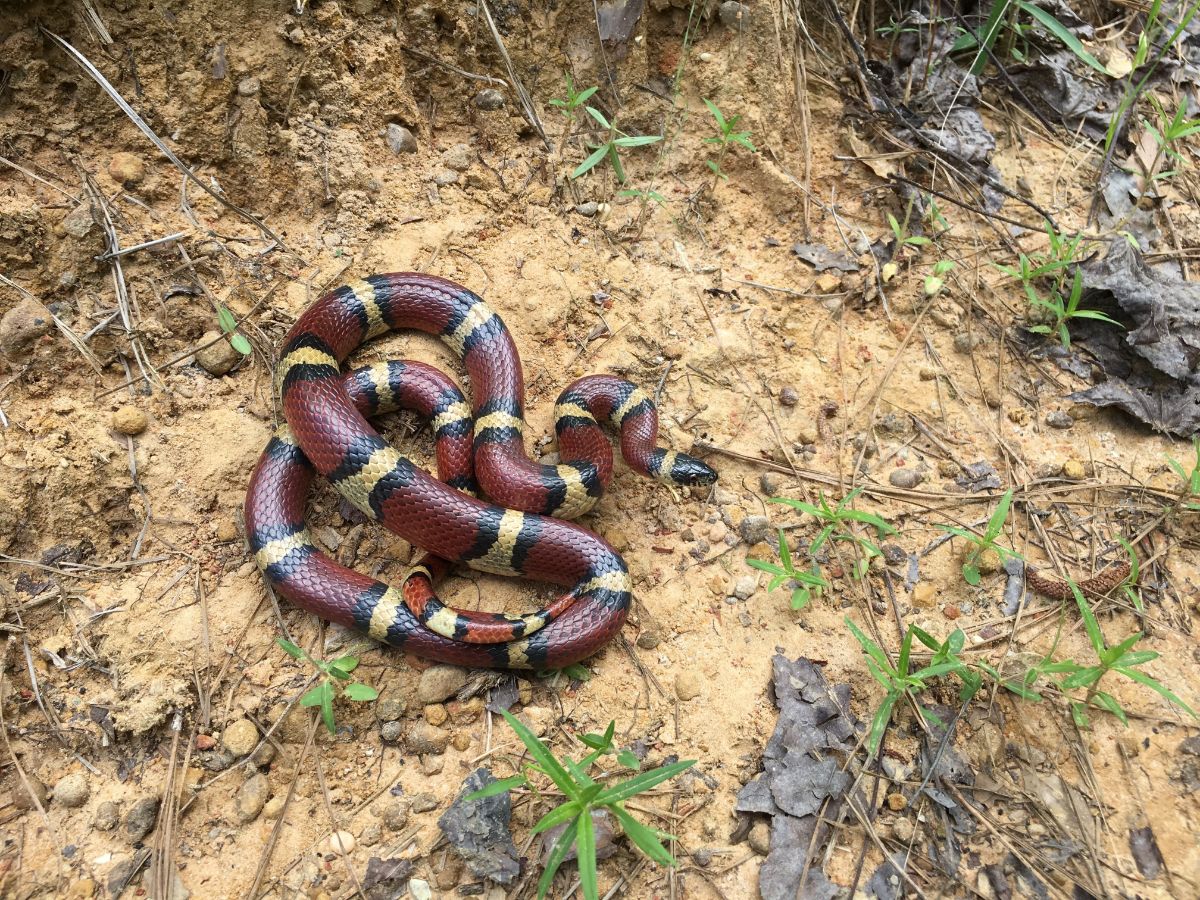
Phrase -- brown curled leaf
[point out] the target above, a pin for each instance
(1096, 586)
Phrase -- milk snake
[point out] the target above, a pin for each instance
(521, 532)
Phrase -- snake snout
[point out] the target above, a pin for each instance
(689, 470)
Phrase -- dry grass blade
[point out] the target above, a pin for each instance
(86, 64)
(526, 101)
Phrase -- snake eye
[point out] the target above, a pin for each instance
(689, 470)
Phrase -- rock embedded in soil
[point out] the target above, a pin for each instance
(1075, 469)
(140, 820)
(400, 139)
(78, 223)
(274, 807)
(126, 169)
(789, 397)
(240, 738)
(395, 815)
(424, 802)
(435, 714)
(760, 838)
(902, 829)
(459, 158)
(22, 798)
(216, 356)
(341, 842)
(754, 529)
(129, 420)
(226, 531)
(252, 797)
(72, 790)
(390, 732)
(439, 682)
(108, 816)
(649, 639)
(687, 685)
(20, 328)
(734, 15)
(745, 587)
(390, 709)
(425, 738)
(1059, 419)
(489, 99)
(905, 478)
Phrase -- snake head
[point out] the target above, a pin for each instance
(689, 470)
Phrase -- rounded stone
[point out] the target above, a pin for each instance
(140, 820)
(129, 420)
(905, 478)
(687, 685)
(390, 732)
(1075, 469)
(240, 738)
(108, 815)
(341, 842)
(459, 158)
(72, 790)
(274, 807)
(439, 682)
(400, 139)
(252, 797)
(249, 86)
(789, 397)
(216, 355)
(754, 529)
(395, 815)
(390, 709)
(436, 714)
(490, 99)
(126, 169)
(22, 798)
(21, 326)
(425, 738)
(226, 531)
(760, 838)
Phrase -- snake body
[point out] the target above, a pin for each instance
(520, 532)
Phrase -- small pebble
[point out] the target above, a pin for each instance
(140, 820)
(226, 531)
(400, 139)
(390, 709)
(424, 803)
(341, 842)
(461, 741)
(240, 738)
(459, 158)
(745, 587)
(252, 797)
(923, 595)
(108, 816)
(21, 326)
(129, 420)
(674, 350)
(1059, 419)
(717, 533)
(21, 798)
(928, 373)
(734, 15)
(249, 86)
(788, 397)
(754, 529)
(988, 562)
(905, 478)
(902, 828)
(964, 342)
(425, 738)
(371, 834)
(126, 169)
(274, 807)
(420, 889)
(649, 639)
(770, 484)
(390, 732)
(435, 714)
(439, 682)
(79, 222)
(216, 358)
(1074, 469)
(760, 838)
(951, 611)
(72, 790)
(1018, 415)
(445, 177)
(489, 98)
(687, 685)
(587, 208)
(395, 815)
(896, 801)
(432, 765)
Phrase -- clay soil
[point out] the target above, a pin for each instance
(139, 634)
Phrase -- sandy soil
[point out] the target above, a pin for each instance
(139, 631)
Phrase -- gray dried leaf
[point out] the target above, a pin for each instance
(980, 476)
(617, 20)
(479, 830)
(1145, 852)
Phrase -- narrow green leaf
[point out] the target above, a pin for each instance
(226, 319)
(1156, 686)
(559, 852)
(557, 816)
(598, 116)
(1109, 702)
(363, 693)
(591, 162)
(646, 839)
(642, 782)
(496, 787)
(1060, 31)
(290, 648)
(541, 753)
(327, 709)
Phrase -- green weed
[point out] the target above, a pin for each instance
(808, 582)
(611, 148)
(899, 681)
(1005, 19)
(935, 281)
(1169, 131)
(332, 672)
(982, 544)
(836, 526)
(569, 105)
(727, 137)
(584, 795)
(229, 326)
(1190, 496)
